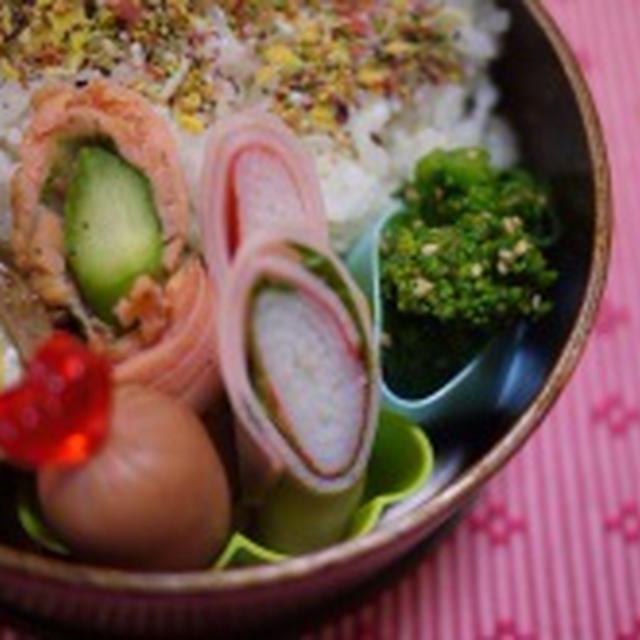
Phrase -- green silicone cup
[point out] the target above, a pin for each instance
(31, 520)
(401, 463)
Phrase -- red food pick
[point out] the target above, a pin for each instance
(59, 413)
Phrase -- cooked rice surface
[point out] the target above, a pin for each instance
(369, 86)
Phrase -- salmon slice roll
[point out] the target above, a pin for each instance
(256, 176)
(301, 371)
(101, 218)
(65, 116)
(184, 362)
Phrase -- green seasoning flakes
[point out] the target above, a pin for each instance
(469, 250)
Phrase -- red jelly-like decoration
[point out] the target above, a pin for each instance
(59, 413)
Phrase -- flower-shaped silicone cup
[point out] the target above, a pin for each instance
(401, 462)
(30, 517)
(472, 390)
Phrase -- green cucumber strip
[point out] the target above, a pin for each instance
(112, 230)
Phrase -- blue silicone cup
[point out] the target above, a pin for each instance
(474, 390)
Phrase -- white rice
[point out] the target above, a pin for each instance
(388, 136)
(14, 109)
(357, 190)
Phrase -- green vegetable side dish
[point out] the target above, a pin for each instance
(469, 251)
(112, 231)
(463, 261)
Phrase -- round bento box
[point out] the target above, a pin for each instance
(547, 100)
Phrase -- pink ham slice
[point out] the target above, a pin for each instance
(299, 365)
(256, 176)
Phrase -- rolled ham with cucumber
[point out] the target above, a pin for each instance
(300, 367)
(101, 220)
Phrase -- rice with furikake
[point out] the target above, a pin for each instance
(369, 86)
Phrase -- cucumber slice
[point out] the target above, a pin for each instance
(112, 231)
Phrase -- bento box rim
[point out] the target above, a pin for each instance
(39, 567)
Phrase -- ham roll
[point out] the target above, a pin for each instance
(301, 370)
(99, 175)
(256, 176)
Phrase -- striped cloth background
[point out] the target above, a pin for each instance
(552, 549)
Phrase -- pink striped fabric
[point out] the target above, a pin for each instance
(552, 549)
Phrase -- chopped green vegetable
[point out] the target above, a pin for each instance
(112, 231)
(420, 354)
(449, 184)
(468, 252)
